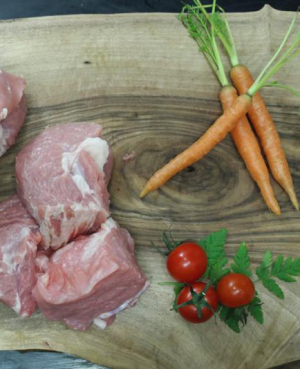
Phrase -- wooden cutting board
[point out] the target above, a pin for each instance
(143, 79)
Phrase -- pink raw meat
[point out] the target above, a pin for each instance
(11, 93)
(42, 260)
(11, 126)
(91, 279)
(19, 237)
(62, 178)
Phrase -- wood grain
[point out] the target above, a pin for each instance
(143, 79)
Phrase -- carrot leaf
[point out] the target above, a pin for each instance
(197, 22)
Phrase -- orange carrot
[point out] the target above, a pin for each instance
(266, 131)
(232, 115)
(215, 134)
(249, 150)
(242, 134)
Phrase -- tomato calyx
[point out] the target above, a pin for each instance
(170, 243)
(198, 300)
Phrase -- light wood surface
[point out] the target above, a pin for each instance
(143, 79)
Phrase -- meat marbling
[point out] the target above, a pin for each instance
(13, 109)
(19, 237)
(91, 279)
(62, 177)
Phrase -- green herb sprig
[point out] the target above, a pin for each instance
(270, 269)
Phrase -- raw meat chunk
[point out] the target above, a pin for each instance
(42, 260)
(91, 279)
(19, 237)
(11, 93)
(11, 126)
(12, 109)
(62, 178)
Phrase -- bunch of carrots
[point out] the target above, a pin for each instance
(205, 28)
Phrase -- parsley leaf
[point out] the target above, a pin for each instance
(255, 309)
(242, 261)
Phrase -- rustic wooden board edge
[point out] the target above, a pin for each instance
(58, 345)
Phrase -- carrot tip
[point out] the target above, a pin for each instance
(143, 193)
(276, 209)
(293, 197)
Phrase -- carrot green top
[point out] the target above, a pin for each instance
(198, 19)
(201, 31)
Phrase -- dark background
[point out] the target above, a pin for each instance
(35, 8)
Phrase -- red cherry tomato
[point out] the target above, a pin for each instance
(235, 290)
(187, 262)
(189, 312)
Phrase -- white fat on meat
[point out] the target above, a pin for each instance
(2, 141)
(19, 237)
(17, 306)
(3, 113)
(98, 150)
(58, 212)
(126, 304)
(91, 279)
(13, 109)
(90, 251)
(66, 192)
(100, 323)
(7, 250)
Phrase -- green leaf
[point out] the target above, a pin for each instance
(162, 252)
(263, 270)
(255, 309)
(233, 324)
(242, 261)
(213, 245)
(217, 271)
(224, 312)
(267, 259)
(277, 265)
(285, 269)
(273, 287)
(229, 317)
(294, 267)
(169, 244)
(285, 277)
(177, 288)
